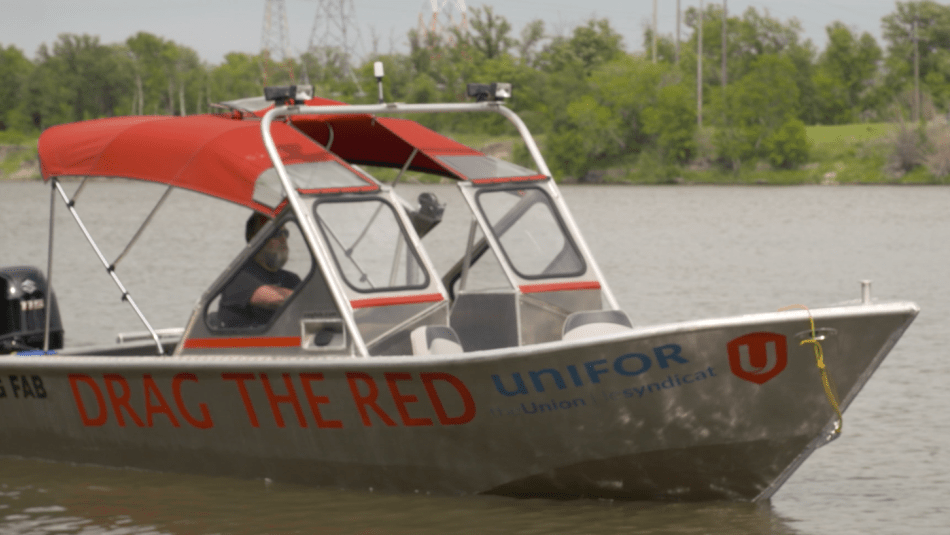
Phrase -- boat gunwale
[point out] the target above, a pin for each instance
(215, 362)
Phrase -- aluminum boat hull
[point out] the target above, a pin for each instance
(677, 411)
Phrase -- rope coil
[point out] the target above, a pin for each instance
(826, 381)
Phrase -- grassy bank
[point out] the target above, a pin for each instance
(840, 154)
(18, 157)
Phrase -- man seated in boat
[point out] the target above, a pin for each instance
(262, 286)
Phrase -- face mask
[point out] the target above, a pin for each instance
(274, 255)
(274, 260)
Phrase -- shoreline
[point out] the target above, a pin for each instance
(838, 163)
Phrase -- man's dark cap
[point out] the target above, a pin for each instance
(254, 224)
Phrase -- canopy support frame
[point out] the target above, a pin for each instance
(49, 268)
(110, 268)
(415, 150)
(145, 223)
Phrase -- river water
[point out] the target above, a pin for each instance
(669, 253)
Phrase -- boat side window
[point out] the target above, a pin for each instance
(532, 235)
(369, 245)
(264, 284)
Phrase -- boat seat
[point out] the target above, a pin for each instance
(435, 340)
(591, 323)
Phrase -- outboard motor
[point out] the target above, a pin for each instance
(23, 307)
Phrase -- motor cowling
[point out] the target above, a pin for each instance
(24, 302)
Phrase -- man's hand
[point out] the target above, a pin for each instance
(270, 296)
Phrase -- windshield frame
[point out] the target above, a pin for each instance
(408, 242)
(558, 219)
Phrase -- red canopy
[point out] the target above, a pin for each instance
(223, 156)
(361, 138)
(216, 155)
(383, 141)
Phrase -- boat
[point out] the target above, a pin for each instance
(513, 373)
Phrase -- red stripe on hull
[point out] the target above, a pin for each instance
(559, 287)
(260, 341)
(399, 300)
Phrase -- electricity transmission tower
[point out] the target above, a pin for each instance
(438, 31)
(275, 38)
(335, 31)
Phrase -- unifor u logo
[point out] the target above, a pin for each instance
(757, 357)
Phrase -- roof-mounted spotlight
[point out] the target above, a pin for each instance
(493, 91)
(304, 93)
(282, 95)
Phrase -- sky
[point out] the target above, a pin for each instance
(216, 27)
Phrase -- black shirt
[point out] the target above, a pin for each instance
(235, 309)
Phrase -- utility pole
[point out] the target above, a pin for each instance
(699, 69)
(725, 15)
(654, 31)
(916, 73)
(677, 32)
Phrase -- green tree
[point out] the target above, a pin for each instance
(672, 123)
(854, 59)
(754, 110)
(153, 59)
(833, 106)
(585, 137)
(922, 27)
(325, 68)
(187, 80)
(238, 77)
(748, 37)
(845, 74)
(665, 47)
(169, 79)
(79, 79)
(490, 32)
(96, 74)
(15, 68)
(787, 146)
(629, 105)
(588, 47)
(531, 35)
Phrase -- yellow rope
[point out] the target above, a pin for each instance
(820, 362)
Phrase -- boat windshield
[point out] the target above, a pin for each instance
(531, 234)
(369, 245)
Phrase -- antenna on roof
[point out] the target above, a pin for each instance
(378, 73)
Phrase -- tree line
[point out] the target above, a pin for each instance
(597, 105)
